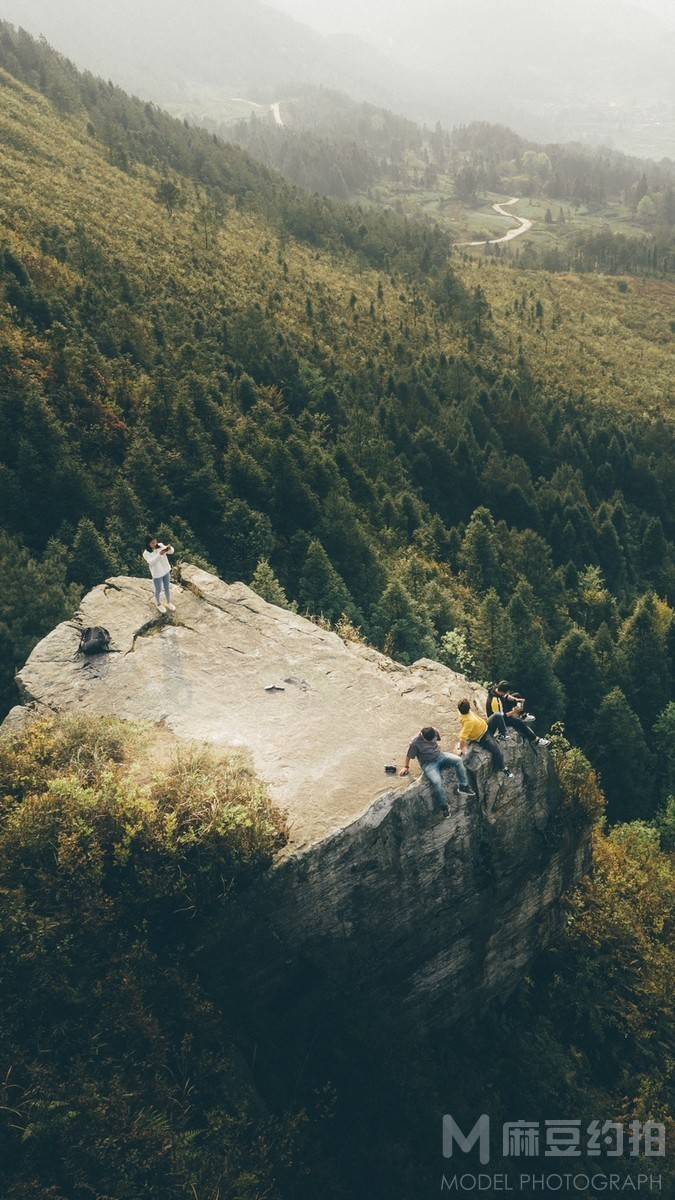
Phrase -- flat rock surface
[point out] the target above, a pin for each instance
(319, 717)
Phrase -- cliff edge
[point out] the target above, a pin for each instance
(433, 916)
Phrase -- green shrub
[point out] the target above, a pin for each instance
(579, 782)
(121, 1076)
(665, 825)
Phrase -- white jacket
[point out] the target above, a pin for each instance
(158, 563)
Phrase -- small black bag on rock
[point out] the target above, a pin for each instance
(94, 640)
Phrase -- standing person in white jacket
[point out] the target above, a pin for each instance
(156, 555)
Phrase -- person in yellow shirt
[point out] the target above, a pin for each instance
(474, 730)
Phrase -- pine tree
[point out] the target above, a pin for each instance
(34, 597)
(401, 626)
(128, 526)
(611, 555)
(653, 549)
(622, 759)
(594, 603)
(604, 644)
(644, 667)
(578, 669)
(414, 575)
(92, 560)
(531, 669)
(323, 592)
(491, 638)
(664, 729)
(267, 586)
(479, 555)
(242, 537)
(438, 602)
(142, 470)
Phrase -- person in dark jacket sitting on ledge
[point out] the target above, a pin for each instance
(502, 711)
(426, 749)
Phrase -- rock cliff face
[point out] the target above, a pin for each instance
(433, 917)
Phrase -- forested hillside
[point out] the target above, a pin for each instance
(457, 458)
(270, 378)
(490, 157)
(595, 209)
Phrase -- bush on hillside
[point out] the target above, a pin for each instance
(121, 1076)
(580, 786)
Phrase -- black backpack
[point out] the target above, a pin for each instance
(94, 640)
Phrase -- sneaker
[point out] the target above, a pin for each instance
(507, 773)
(445, 811)
(161, 608)
(543, 742)
(528, 719)
(465, 791)
(171, 607)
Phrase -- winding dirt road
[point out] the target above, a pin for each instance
(524, 226)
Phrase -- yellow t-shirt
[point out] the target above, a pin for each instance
(473, 727)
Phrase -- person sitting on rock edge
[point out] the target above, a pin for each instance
(156, 556)
(513, 705)
(474, 729)
(501, 708)
(425, 748)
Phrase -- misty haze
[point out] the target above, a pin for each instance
(595, 70)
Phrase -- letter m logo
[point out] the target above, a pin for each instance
(480, 1133)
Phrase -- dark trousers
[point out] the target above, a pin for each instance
(488, 743)
(499, 721)
(522, 728)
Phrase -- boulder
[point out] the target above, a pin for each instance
(376, 888)
(320, 718)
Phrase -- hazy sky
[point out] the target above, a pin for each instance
(378, 18)
(600, 70)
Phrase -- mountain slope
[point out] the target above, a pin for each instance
(329, 143)
(188, 344)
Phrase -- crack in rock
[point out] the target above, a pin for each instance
(224, 607)
(154, 625)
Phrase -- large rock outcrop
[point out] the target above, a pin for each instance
(432, 916)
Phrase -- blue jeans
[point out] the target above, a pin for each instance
(433, 770)
(165, 583)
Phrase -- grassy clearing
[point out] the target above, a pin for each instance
(184, 797)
